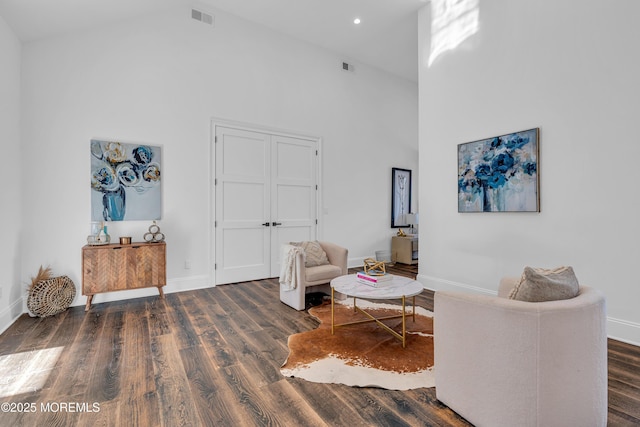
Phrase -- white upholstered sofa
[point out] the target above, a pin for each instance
(501, 362)
(315, 279)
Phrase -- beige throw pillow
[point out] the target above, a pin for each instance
(537, 285)
(314, 255)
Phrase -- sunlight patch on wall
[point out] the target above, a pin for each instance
(452, 22)
(28, 371)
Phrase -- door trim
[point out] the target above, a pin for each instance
(221, 122)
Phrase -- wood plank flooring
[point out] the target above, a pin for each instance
(211, 358)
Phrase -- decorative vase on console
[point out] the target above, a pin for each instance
(104, 237)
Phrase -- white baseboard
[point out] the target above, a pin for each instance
(437, 284)
(181, 284)
(618, 329)
(356, 262)
(10, 314)
(623, 330)
(189, 284)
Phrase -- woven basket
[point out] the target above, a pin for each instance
(50, 297)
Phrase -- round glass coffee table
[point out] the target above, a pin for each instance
(397, 288)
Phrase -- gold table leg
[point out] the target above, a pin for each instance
(402, 337)
(404, 324)
(414, 308)
(332, 310)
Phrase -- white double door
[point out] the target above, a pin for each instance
(265, 195)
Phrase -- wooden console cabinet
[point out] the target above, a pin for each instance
(404, 249)
(117, 267)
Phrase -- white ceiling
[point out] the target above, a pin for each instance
(386, 38)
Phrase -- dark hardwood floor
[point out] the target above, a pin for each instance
(211, 358)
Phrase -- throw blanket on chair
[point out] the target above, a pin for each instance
(288, 278)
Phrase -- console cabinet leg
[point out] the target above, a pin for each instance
(88, 306)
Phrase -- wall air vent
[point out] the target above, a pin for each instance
(201, 16)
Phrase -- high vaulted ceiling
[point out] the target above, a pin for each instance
(386, 38)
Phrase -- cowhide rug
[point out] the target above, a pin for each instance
(363, 355)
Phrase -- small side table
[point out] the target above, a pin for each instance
(403, 248)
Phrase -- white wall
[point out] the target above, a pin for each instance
(570, 68)
(160, 80)
(11, 280)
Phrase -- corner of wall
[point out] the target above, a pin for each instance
(10, 314)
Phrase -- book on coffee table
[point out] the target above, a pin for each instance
(372, 280)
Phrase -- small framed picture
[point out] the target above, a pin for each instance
(400, 197)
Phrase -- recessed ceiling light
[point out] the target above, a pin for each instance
(356, 21)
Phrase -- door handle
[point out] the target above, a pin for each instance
(266, 224)
(276, 223)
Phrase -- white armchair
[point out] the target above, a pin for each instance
(315, 279)
(501, 362)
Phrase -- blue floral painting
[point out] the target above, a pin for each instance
(125, 181)
(499, 174)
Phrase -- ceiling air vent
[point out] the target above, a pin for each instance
(198, 15)
(347, 67)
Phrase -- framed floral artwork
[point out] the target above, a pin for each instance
(125, 181)
(500, 174)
